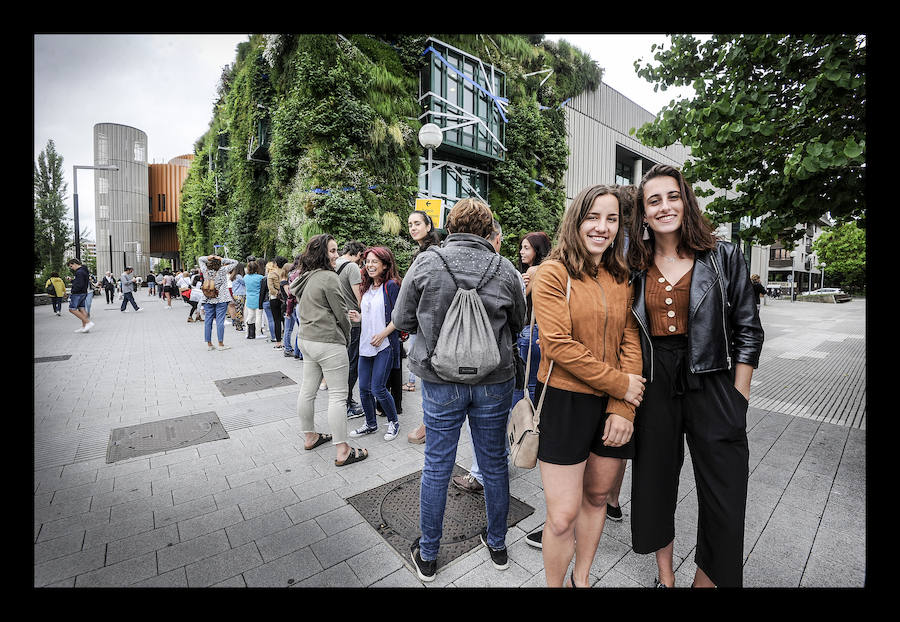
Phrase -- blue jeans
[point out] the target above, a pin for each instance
(373, 376)
(57, 303)
(271, 321)
(522, 344)
(218, 310)
(290, 345)
(87, 301)
(445, 407)
(126, 298)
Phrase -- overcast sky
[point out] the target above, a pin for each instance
(165, 85)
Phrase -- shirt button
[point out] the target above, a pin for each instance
(671, 314)
(668, 288)
(662, 280)
(668, 301)
(671, 329)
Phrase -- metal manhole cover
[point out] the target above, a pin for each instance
(393, 510)
(49, 359)
(256, 382)
(165, 435)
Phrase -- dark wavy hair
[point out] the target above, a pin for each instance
(541, 244)
(315, 256)
(696, 231)
(390, 273)
(570, 249)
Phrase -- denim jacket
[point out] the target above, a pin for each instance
(428, 290)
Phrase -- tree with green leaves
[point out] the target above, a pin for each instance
(781, 119)
(843, 251)
(52, 231)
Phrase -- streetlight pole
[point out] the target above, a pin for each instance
(793, 257)
(75, 203)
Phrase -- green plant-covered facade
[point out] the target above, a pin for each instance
(319, 133)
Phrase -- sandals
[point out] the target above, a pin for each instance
(356, 455)
(409, 386)
(323, 438)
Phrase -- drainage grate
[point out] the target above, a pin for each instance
(49, 359)
(393, 510)
(165, 435)
(256, 382)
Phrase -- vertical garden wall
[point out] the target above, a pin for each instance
(318, 133)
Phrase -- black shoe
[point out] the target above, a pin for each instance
(499, 558)
(534, 539)
(657, 583)
(354, 411)
(613, 513)
(425, 569)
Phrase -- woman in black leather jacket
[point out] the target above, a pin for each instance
(701, 339)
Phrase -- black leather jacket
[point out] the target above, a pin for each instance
(723, 322)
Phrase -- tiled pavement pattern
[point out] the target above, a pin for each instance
(257, 510)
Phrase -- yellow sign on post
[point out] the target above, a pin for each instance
(434, 209)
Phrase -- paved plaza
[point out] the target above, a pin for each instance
(257, 510)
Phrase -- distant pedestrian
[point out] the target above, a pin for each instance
(254, 283)
(109, 286)
(160, 283)
(291, 321)
(78, 294)
(127, 282)
(92, 291)
(758, 289)
(59, 292)
(238, 294)
(151, 283)
(169, 288)
(215, 269)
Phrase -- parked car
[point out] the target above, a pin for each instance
(824, 290)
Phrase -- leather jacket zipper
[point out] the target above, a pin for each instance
(724, 327)
(649, 341)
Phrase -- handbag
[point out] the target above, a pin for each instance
(209, 288)
(522, 429)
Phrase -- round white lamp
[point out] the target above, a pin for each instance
(430, 136)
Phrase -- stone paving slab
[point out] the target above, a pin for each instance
(257, 510)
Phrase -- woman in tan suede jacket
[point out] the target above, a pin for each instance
(595, 383)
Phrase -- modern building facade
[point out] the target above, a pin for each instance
(465, 97)
(121, 217)
(137, 206)
(797, 267)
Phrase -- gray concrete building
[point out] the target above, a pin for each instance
(122, 217)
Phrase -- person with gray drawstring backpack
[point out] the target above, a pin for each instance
(473, 382)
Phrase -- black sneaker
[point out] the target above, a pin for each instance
(354, 411)
(425, 569)
(498, 558)
(534, 539)
(613, 513)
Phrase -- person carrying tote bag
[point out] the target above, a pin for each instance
(524, 418)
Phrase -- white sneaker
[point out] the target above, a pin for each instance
(392, 430)
(80, 330)
(224, 347)
(88, 327)
(139, 309)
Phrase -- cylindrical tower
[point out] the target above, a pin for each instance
(121, 199)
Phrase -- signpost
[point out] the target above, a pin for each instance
(434, 209)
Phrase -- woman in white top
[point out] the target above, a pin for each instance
(379, 342)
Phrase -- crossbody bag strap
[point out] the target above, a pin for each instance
(537, 412)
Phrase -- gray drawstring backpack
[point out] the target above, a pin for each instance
(466, 350)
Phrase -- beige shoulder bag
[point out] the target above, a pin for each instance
(524, 418)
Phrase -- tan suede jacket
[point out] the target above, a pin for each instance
(593, 339)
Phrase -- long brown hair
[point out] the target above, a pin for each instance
(570, 249)
(386, 257)
(696, 231)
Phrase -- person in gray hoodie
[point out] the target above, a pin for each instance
(422, 304)
(127, 280)
(324, 332)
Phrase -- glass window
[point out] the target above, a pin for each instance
(102, 148)
(103, 185)
(139, 155)
(102, 211)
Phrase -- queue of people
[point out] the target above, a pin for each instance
(637, 335)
